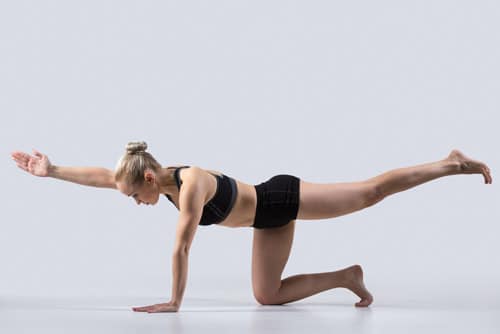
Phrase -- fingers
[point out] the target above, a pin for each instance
(139, 309)
(143, 308)
(155, 309)
(23, 167)
(20, 157)
(165, 307)
(16, 153)
(20, 160)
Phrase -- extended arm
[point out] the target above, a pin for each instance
(39, 165)
(87, 176)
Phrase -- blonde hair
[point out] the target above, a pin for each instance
(131, 166)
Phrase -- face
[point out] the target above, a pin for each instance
(147, 193)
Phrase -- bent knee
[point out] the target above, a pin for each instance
(266, 299)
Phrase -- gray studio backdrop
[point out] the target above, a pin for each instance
(330, 91)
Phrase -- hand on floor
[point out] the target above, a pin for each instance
(165, 307)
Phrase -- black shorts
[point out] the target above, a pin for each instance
(277, 201)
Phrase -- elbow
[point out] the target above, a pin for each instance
(181, 250)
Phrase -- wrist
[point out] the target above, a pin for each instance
(51, 171)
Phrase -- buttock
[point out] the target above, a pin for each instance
(277, 201)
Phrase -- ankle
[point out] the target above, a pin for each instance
(346, 277)
(453, 166)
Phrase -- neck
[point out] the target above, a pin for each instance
(167, 182)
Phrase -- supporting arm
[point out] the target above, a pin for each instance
(179, 276)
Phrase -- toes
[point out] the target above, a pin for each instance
(363, 303)
(490, 179)
(486, 174)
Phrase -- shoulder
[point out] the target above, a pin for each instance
(192, 172)
(194, 175)
(195, 187)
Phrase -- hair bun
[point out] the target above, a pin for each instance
(136, 147)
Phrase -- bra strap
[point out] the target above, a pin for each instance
(176, 176)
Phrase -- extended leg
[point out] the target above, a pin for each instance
(329, 200)
(400, 179)
(404, 178)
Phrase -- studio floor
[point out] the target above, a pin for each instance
(225, 314)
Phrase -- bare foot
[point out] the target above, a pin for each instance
(470, 166)
(354, 282)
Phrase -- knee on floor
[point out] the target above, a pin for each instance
(266, 299)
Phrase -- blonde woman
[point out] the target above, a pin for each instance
(206, 197)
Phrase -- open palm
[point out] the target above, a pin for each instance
(37, 165)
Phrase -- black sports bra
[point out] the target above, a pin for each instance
(219, 206)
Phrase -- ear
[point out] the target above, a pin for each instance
(149, 176)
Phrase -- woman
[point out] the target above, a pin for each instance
(205, 197)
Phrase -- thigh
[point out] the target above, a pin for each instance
(271, 249)
(328, 200)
